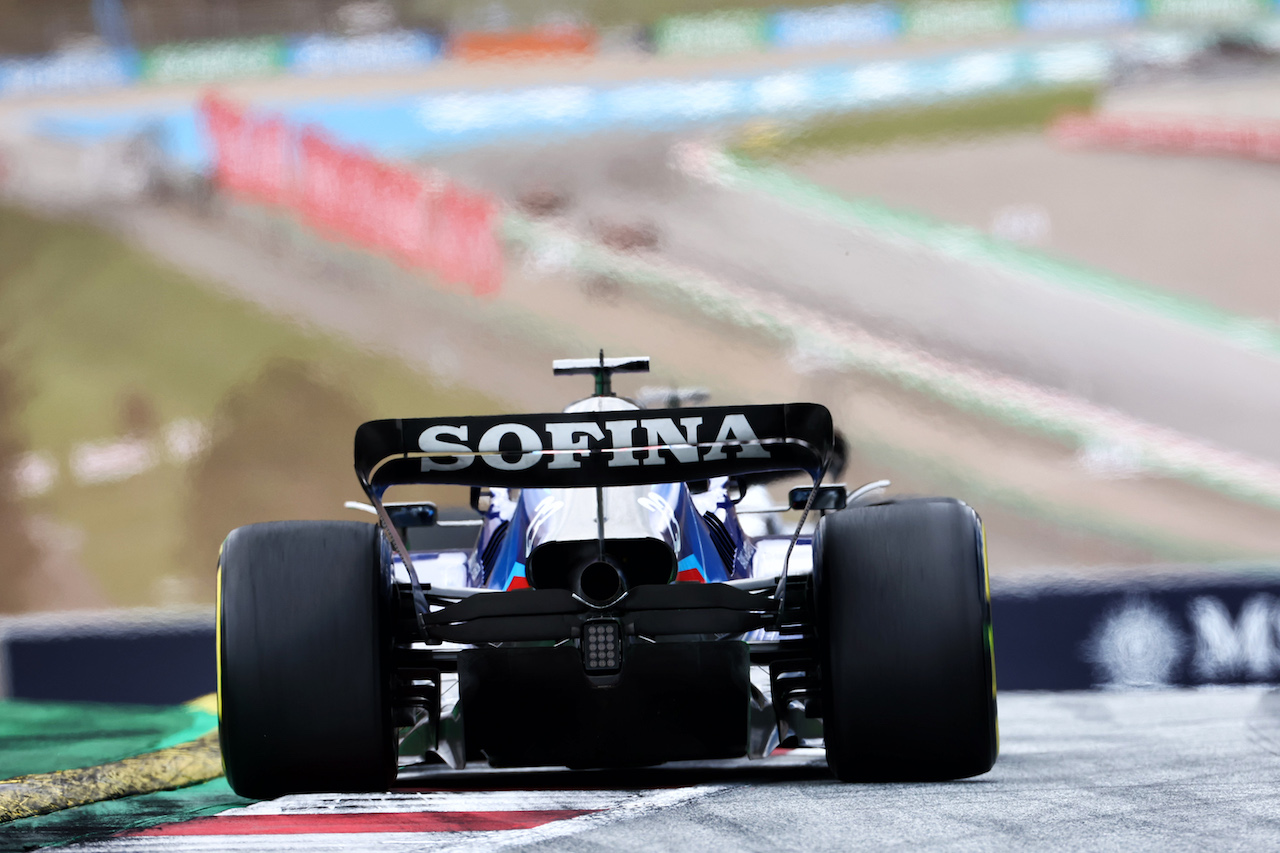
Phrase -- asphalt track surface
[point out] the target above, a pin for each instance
(1132, 770)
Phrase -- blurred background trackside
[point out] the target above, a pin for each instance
(1024, 250)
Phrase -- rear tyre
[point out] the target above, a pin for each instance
(303, 646)
(904, 621)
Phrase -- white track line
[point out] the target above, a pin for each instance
(437, 801)
(638, 807)
(354, 842)
(606, 806)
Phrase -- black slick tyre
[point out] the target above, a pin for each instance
(903, 615)
(303, 646)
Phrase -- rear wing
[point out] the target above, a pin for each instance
(618, 448)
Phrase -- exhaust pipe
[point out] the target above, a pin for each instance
(600, 583)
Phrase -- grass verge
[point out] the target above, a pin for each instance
(99, 331)
(958, 119)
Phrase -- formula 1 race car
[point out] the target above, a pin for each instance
(603, 607)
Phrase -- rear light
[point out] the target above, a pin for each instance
(601, 645)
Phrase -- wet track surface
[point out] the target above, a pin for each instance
(1116, 770)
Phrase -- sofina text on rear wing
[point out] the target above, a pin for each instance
(621, 448)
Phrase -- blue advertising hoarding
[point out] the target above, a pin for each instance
(323, 54)
(1068, 15)
(867, 23)
(411, 125)
(75, 70)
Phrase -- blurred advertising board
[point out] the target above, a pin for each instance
(425, 221)
(711, 34)
(201, 62)
(144, 656)
(949, 19)
(418, 123)
(1209, 628)
(455, 117)
(524, 44)
(422, 219)
(69, 70)
(1255, 139)
(1206, 11)
(1067, 15)
(848, 24)
(252, 157)
(1069, 64)
(324, 54)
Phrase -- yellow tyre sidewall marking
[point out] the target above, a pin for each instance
(217, 633)
(990, 638)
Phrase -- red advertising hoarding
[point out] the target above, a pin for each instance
(420, 217)
(523, 45)
(1252, 139)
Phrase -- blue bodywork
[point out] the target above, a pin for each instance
(674, 513)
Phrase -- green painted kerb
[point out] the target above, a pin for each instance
(59, 755)
(41, 737)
